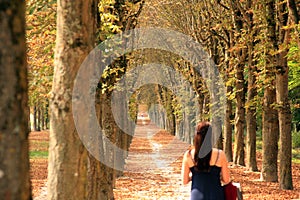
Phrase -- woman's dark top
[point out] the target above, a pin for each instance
(207, 185)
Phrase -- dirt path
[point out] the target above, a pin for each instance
(151, 167)
(38, 141)
(153, 170)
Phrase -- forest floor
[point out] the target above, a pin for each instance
(38, 146)
(152, 170)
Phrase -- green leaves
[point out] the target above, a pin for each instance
(294, 66)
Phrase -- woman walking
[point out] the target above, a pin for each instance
(206, 172)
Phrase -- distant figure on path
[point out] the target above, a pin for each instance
(207, 172)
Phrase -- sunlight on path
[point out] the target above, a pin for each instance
(150, 172)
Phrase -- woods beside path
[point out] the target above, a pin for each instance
(233, 63)
(152, 170)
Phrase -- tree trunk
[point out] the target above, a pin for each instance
(251, 121)
(228, 127)
(270, 134)
(95, 172)
(109, 131)
(293, 11)
(35, 119)
(251, 124)
(198, 86)
(39, 118)
(99, 173)
(14, 111)
(282, 99)
(239, 151)
(270, 129)
(42, 118)
(121, 141)
(285, 121)
(68, 161)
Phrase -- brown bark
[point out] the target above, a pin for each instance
(270, 129)
(68, 161)
(39, 119)
(282, 100)
(110, 132)
(270, 134)
(228, 127)
(285, 120)
(94, 179)
(198, 86)
(251, 124)
(35, 119)
(99, 173)
(239, 152)
(14, 111)
(293, 11)
(121, 142)
(170, 115)
(251, 121)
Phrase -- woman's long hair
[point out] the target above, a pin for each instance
(202, 163)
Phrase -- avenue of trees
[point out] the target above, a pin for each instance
(255, 45)
(250, 42)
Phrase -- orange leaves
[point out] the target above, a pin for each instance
(41, 34)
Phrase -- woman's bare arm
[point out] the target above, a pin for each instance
(185, 170)
(224, 168)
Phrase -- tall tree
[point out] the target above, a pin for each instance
(251, 116)
(68, 162)
(116, 17)
(285, 121)
(239, 152)
(251, 91)
(14, 111)
(228, 124)
(284, 109)
(270, 129)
